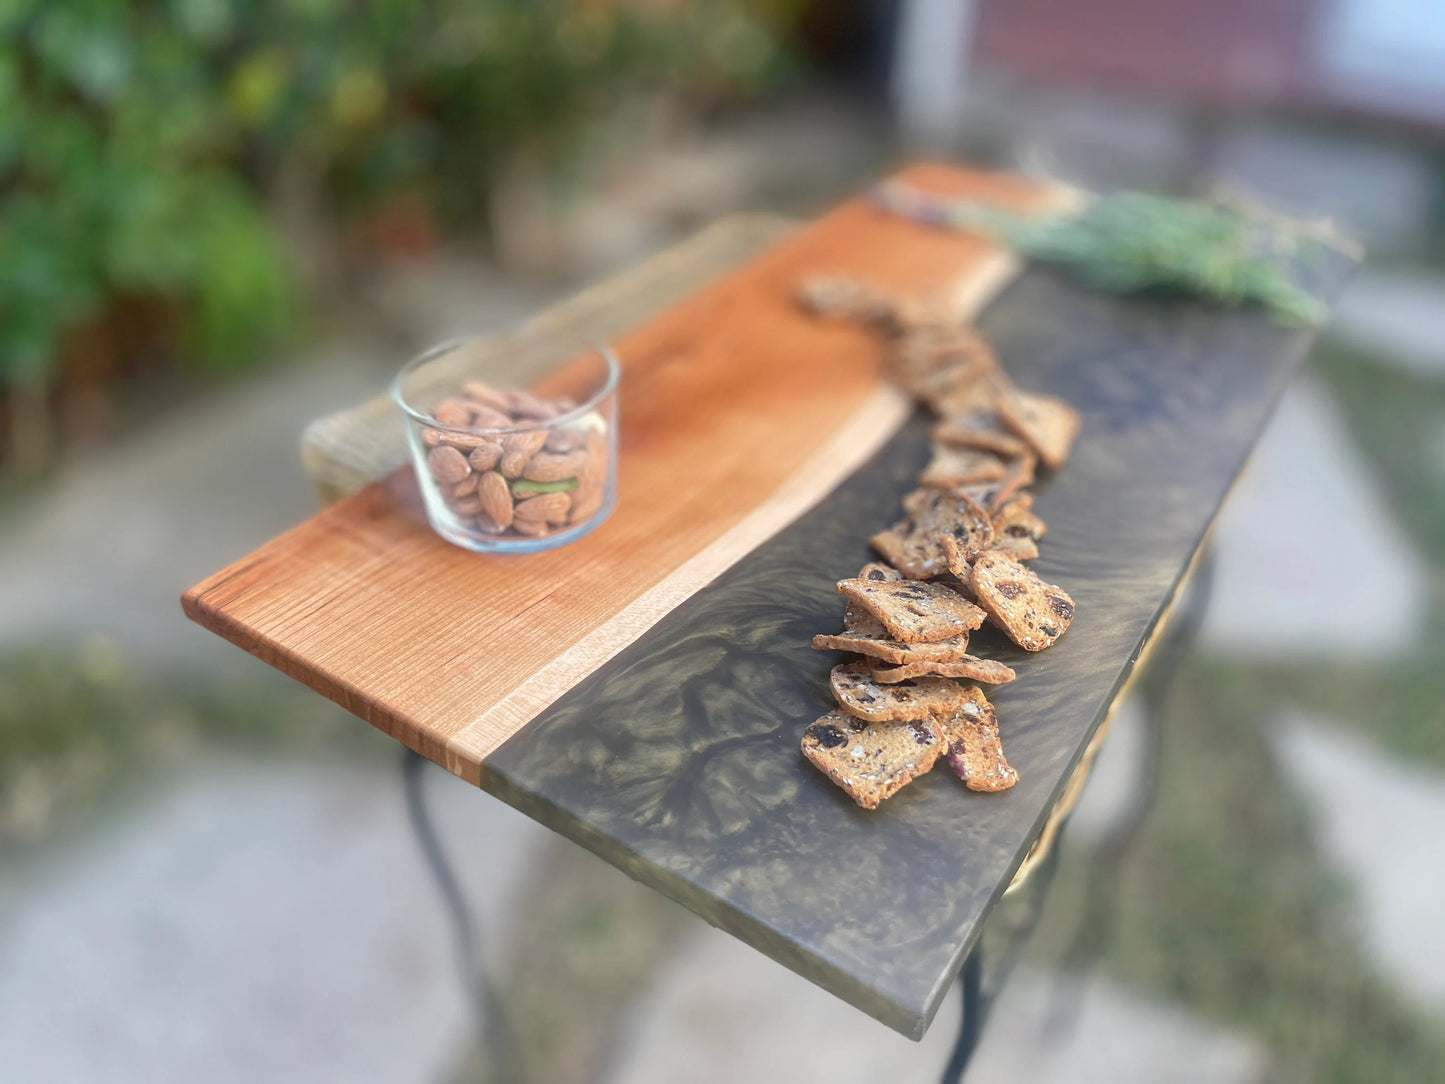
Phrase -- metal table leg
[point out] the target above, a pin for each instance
(480, 990)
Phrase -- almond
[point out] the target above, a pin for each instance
(496, 499)
(562, 441)
(527, 405)
(447, 464)
(546, 467)
(485, 417)
(534, 527)
(518, 449)
(585, 503)
(465, 488)
(463, 442)
(546, 507)
(485, 456)
(487, 396)
(467, 506)
(452, 412)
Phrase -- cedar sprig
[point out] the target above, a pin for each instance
(1220, 250)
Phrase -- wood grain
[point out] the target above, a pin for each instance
(738, 412)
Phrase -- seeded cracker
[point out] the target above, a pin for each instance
(913, 544)
(846, 299)
(959, 466)
(1032, 612)
(859, 695)
(879, 645)
(974, 751)
(1047, 422)
(914, 611)
(989, 671)
(981, 393)
(934, 361)
(871, 761)
(877, 570)
(1016, 530)
(979, 428)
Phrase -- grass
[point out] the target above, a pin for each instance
(79, 723)
(1226, 908)
(1398, 421)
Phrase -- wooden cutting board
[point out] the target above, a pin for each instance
(738, 412)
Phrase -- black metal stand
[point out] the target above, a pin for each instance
(978, 998)
(971, 979)
(491, 1020)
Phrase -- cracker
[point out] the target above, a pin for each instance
(872, 761)
(847, 299)
(959, 562)
(914, 611)
(918, 698)
(934, 361)
(912, 544)
(856, 619)
(960, 466)
(989, 671)
(981, 393)
(879, 645)
(1016, 530)
(1020, 549)
(1033, 613)
(979, 428)
(992, 496)
(877, 570)
(974, 751)
(1047, 422)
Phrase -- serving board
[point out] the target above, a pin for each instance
(643, 691)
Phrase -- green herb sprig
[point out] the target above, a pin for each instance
(1127, 242)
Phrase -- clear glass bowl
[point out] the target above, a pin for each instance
(507, 470)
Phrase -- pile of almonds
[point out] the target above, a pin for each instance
(506, 471)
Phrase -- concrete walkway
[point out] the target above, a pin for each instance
(1280, 587)
(1381, 821)
(254, 922)
(723, 1014)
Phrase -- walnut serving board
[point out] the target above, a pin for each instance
(643, 690)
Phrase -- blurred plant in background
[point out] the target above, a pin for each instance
(161, 160)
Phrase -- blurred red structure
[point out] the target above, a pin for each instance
(1381, 61)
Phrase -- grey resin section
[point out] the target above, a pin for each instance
(679, 760)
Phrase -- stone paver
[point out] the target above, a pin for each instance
(723, 1013)
(1306, 499)
(1399, 316)
(253, 922)
(1381, 820)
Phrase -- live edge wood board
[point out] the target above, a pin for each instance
(642, 691)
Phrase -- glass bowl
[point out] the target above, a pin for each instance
(507, 470)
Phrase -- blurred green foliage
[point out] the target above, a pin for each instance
(139, 138)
